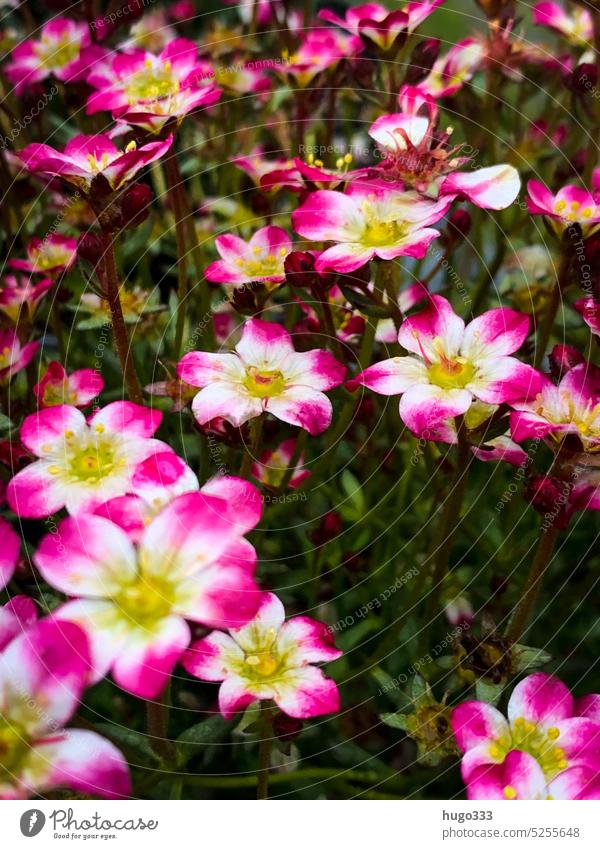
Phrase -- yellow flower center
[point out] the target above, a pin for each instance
(152, 82)
(14, 746)
(92, 462)
(451, 373)
(263, 265)
(5, 357)
(540, 744)
(263, 384)
(264, 663)
(54, 54)
(146, 601)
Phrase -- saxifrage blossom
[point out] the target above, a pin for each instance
(271, 467)
(264, 374)
(543, 750)
(63, 50)
(78, 388)
(87, 157)
(43, 674)
(260, 259)
(133, 600)
(364, 223)
(50, 255)
(82, 463)
(269, 658)
(13, 356)
(453, 364)
(570, 205)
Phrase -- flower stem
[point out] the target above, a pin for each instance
(157, 722)
(543, 555)
(552, 309)
(251, 449)
(118, 324)
(447, 527)
(176, 191)
(264, 752)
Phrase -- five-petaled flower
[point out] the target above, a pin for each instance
(63, 50)
(14, 356)
(368, 221)
(261, 259)
(570, 205)
(544, 750)
(43, 673)
(82, 463)
(78, 388)
(51, 255)
(452, 365)
(88, 157)
(191, 562)
(269, 659)
(264, 374)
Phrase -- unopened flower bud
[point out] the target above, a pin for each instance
(583, 79)
(135, 205)
(299, 269)
(548, 495)
(421, 60)
(329, 528)
(562, 358)
(459, 224)
(286, 727)
(91, 247)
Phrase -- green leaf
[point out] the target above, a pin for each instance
(211, 730)
(395, 720)
(128, 739)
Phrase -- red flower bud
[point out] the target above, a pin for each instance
(286, 727)
(91, 247)
(562, 358)
(421, 60)
(135, 205)
(329, 528)
(549, 496)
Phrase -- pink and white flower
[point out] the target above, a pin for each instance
(164, 476)
(10, 546)
(365, 224)
(191, 562)
(570, 205)
(453, 365)
(320, 50)
(87, 157)
(417, 154)
(21, 293)
(260, 259)
(64, 50)
(577, 26)
(450, 72)
(126, 82)
(43, 674)
(53, 254)
(82, 463)
(271, 467)
(543, 750)
(266, 659)
(264, 374)
(13, 356)
(154, 115)
(78, 388)
(571, 408)
(373, 22)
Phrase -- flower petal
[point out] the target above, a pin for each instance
(302, 406)
(207, 658)
(307, 692)
(475, 722)
(540, 698)
(393, 376)
(147, 658)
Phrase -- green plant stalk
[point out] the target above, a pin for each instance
(251, 450)
(552, 309)
(119, 327)
(176, 192)
(157, 723)
(543, 556)
(445, 533)
(264, 752)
